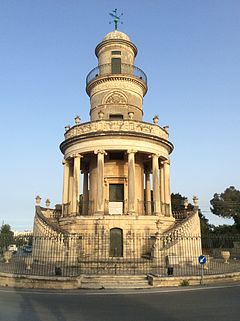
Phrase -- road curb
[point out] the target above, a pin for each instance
(155, 281)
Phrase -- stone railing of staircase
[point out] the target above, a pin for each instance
(49, 225)
(183, 228)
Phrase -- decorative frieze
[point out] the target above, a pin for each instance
(117, 126)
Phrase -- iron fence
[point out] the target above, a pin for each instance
(129, 254)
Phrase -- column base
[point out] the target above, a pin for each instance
(158, 214)
(99, 213)
(73, 214)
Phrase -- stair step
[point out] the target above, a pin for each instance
(114, 282)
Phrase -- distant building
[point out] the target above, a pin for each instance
(22, 233)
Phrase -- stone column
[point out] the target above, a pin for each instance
(85, 193)
(76, 184)
(167, 193)
(131, 182)
(155, 180)
(65, 194)
(70, 189)
(162, 195)
(100, 181)
(148, 193)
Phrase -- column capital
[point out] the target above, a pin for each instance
(132, 151)
(66, 161)
(154, 155)
(100, 151)
(166, 162)
(75, 155)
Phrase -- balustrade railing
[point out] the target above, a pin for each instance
(106, 69)
(120, 207)
(181, 215)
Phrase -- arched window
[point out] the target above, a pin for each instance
(116, 242)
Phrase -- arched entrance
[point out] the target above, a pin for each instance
(116, 242)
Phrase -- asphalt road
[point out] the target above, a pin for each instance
(184, 304)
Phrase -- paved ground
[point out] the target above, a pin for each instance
(183, 304)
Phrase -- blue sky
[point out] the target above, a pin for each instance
(189, 50)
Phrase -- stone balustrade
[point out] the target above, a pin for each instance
(124, 126)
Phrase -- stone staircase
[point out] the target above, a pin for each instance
(114, 282)
(45, 226)
(190, 226)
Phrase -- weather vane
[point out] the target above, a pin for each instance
(116, 18)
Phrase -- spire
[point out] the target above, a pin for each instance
(116, 18)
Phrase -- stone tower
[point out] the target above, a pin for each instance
(116, 151)
(116, 166)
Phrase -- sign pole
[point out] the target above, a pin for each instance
(202, 260)
(202, 273)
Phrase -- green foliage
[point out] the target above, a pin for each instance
(184, 283)
(6, 237)
(227, 204)
(206, 228)
(177, 201)
(178, 205)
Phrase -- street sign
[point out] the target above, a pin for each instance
(202, 259)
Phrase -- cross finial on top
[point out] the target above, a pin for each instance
(116, 17)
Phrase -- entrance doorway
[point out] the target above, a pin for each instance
(116, 242)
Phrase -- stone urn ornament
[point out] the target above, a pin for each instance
(48, 202)
(7, 255)
(155, 119)
(225, 255)
(38, 200)
(67, 127)
(185, 203)
(100, 115)
(130, 115)
(77, 120)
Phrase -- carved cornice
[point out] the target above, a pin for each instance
(107, 78)
(107, 42)
(131, 128)
(110, 134)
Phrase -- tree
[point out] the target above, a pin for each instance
(178, 205)
(227, 204)
(206, 228)
(6, 236)
(177, 201)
